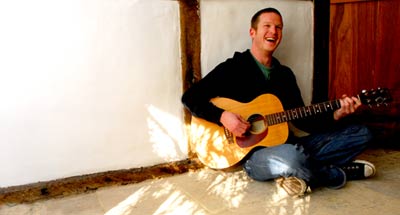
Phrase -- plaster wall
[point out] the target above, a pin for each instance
(95, 85)
(88, 86)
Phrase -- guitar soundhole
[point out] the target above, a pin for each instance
(258, 124)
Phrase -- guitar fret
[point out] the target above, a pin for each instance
(273, 119)
(295, 113)
(331, 105)
(323, 108)
(278, 118)
(328, 106)
(305, 112)
(269, 119)
(337, 103)
(284, 117)
(301, 115)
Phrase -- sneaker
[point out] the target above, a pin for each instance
(359, 169)
(335, 178)
(292, 185)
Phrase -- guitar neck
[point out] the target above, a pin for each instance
(302, 112)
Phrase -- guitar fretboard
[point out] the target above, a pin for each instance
(302, 112)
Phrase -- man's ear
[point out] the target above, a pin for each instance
(252, 32)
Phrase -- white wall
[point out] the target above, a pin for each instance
(225, 26)
(89, 86)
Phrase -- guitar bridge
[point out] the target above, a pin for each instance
(229, 136)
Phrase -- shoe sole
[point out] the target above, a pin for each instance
(286, 182)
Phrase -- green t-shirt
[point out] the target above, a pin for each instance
(266, 71)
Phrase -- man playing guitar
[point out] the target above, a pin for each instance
(323, 157)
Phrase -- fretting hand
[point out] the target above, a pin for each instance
(348, 105)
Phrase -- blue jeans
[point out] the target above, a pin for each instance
(315, 158)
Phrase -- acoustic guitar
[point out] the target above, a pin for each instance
(217, 148)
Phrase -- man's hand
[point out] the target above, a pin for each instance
(234, 123)
(348, 106)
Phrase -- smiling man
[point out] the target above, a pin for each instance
(323, 157)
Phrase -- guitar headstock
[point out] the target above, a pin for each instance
(378, 97)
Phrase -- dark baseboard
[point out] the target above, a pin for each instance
(91, 182)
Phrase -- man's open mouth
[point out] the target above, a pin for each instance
(270, 39)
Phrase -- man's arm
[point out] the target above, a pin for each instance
(197, 98)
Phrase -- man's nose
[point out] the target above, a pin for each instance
(273, 29)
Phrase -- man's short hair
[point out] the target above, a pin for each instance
(255, 18)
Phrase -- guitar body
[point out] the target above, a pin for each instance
(214, 147)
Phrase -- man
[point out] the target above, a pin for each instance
(325, 157)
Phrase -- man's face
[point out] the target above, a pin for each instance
(268, 34)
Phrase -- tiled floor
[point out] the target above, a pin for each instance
(215, 192)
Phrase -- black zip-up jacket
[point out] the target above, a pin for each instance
(239, 78)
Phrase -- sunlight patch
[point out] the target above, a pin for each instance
(166, 134)
(229, 187)
(126, 206)
(177, 203)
